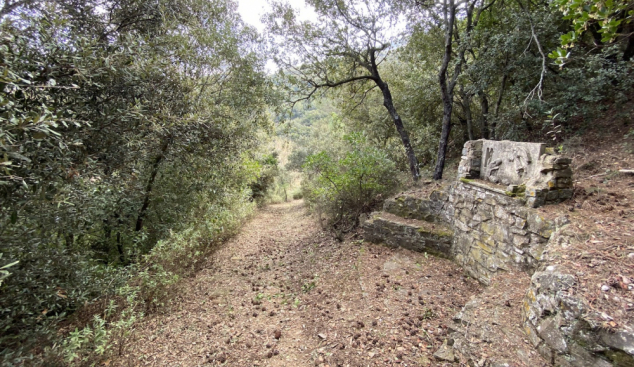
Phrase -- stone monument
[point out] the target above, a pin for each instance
(527, 170)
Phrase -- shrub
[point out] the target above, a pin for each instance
(345, 187)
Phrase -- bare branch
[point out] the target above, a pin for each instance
(538, 89)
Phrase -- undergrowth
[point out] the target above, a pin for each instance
(103, 328)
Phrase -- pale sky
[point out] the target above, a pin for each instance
(252, 10)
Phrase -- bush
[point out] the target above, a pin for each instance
(154, 282)
(345, 187)
(298, 195)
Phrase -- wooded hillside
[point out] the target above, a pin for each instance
(135, 135)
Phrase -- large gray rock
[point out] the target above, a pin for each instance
(445, 353)
(559, 325)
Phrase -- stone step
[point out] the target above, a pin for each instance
(430, 209)
(412, 234)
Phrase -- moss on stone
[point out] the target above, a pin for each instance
(445, 233)
(620, 358)
(519, 192)
(465, 180)
(437, 232)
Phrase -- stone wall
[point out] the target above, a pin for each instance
(492, 230)
(524, 169)
(412, 234)
(562, 326)
(495, 232)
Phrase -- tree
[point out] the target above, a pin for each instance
(607, 22)
(120, 123)
(452, 35)
(346, 47)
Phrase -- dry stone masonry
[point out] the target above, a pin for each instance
(485, 222)
(525, 169)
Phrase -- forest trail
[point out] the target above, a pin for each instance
(285, 293)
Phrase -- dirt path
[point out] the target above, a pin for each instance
(283, 293)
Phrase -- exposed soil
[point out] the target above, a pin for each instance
(489, 328)
(284, 293)
(602, 211)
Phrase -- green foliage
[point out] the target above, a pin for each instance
(126, 152)
(265, 182)
(605, 20)
(348, 185)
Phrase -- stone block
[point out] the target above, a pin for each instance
(478, 255)
(562, 173)
(516, 164)
(549, 159)
(520, 241)
(564, 183)
(620, 340)
(565, 194)
(531, 333)
(507, 162)
(493, 264)
(579, 357)
(548, 330)
(519, 211)
(486, 247)
(502, 214)
(537, 239)
(547, 168)
(495, 230)
(484, 213)
(552, 195)
(460, 225)
(521, 232)
(520, 223)
(535, 201)
(563, 160)
(540, 225)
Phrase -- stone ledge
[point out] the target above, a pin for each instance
(483, 185)
(412, 234)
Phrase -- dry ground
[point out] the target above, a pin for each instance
(602, 212)
(284, 293)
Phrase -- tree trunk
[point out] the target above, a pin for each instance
(484, 106)
(466, 106)
(465, 134)
(120, 249)
(497, 106)
(150, 184)
(389, 105)
(444, 138)
(445, 90)
(499, 102)
(629, 50)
